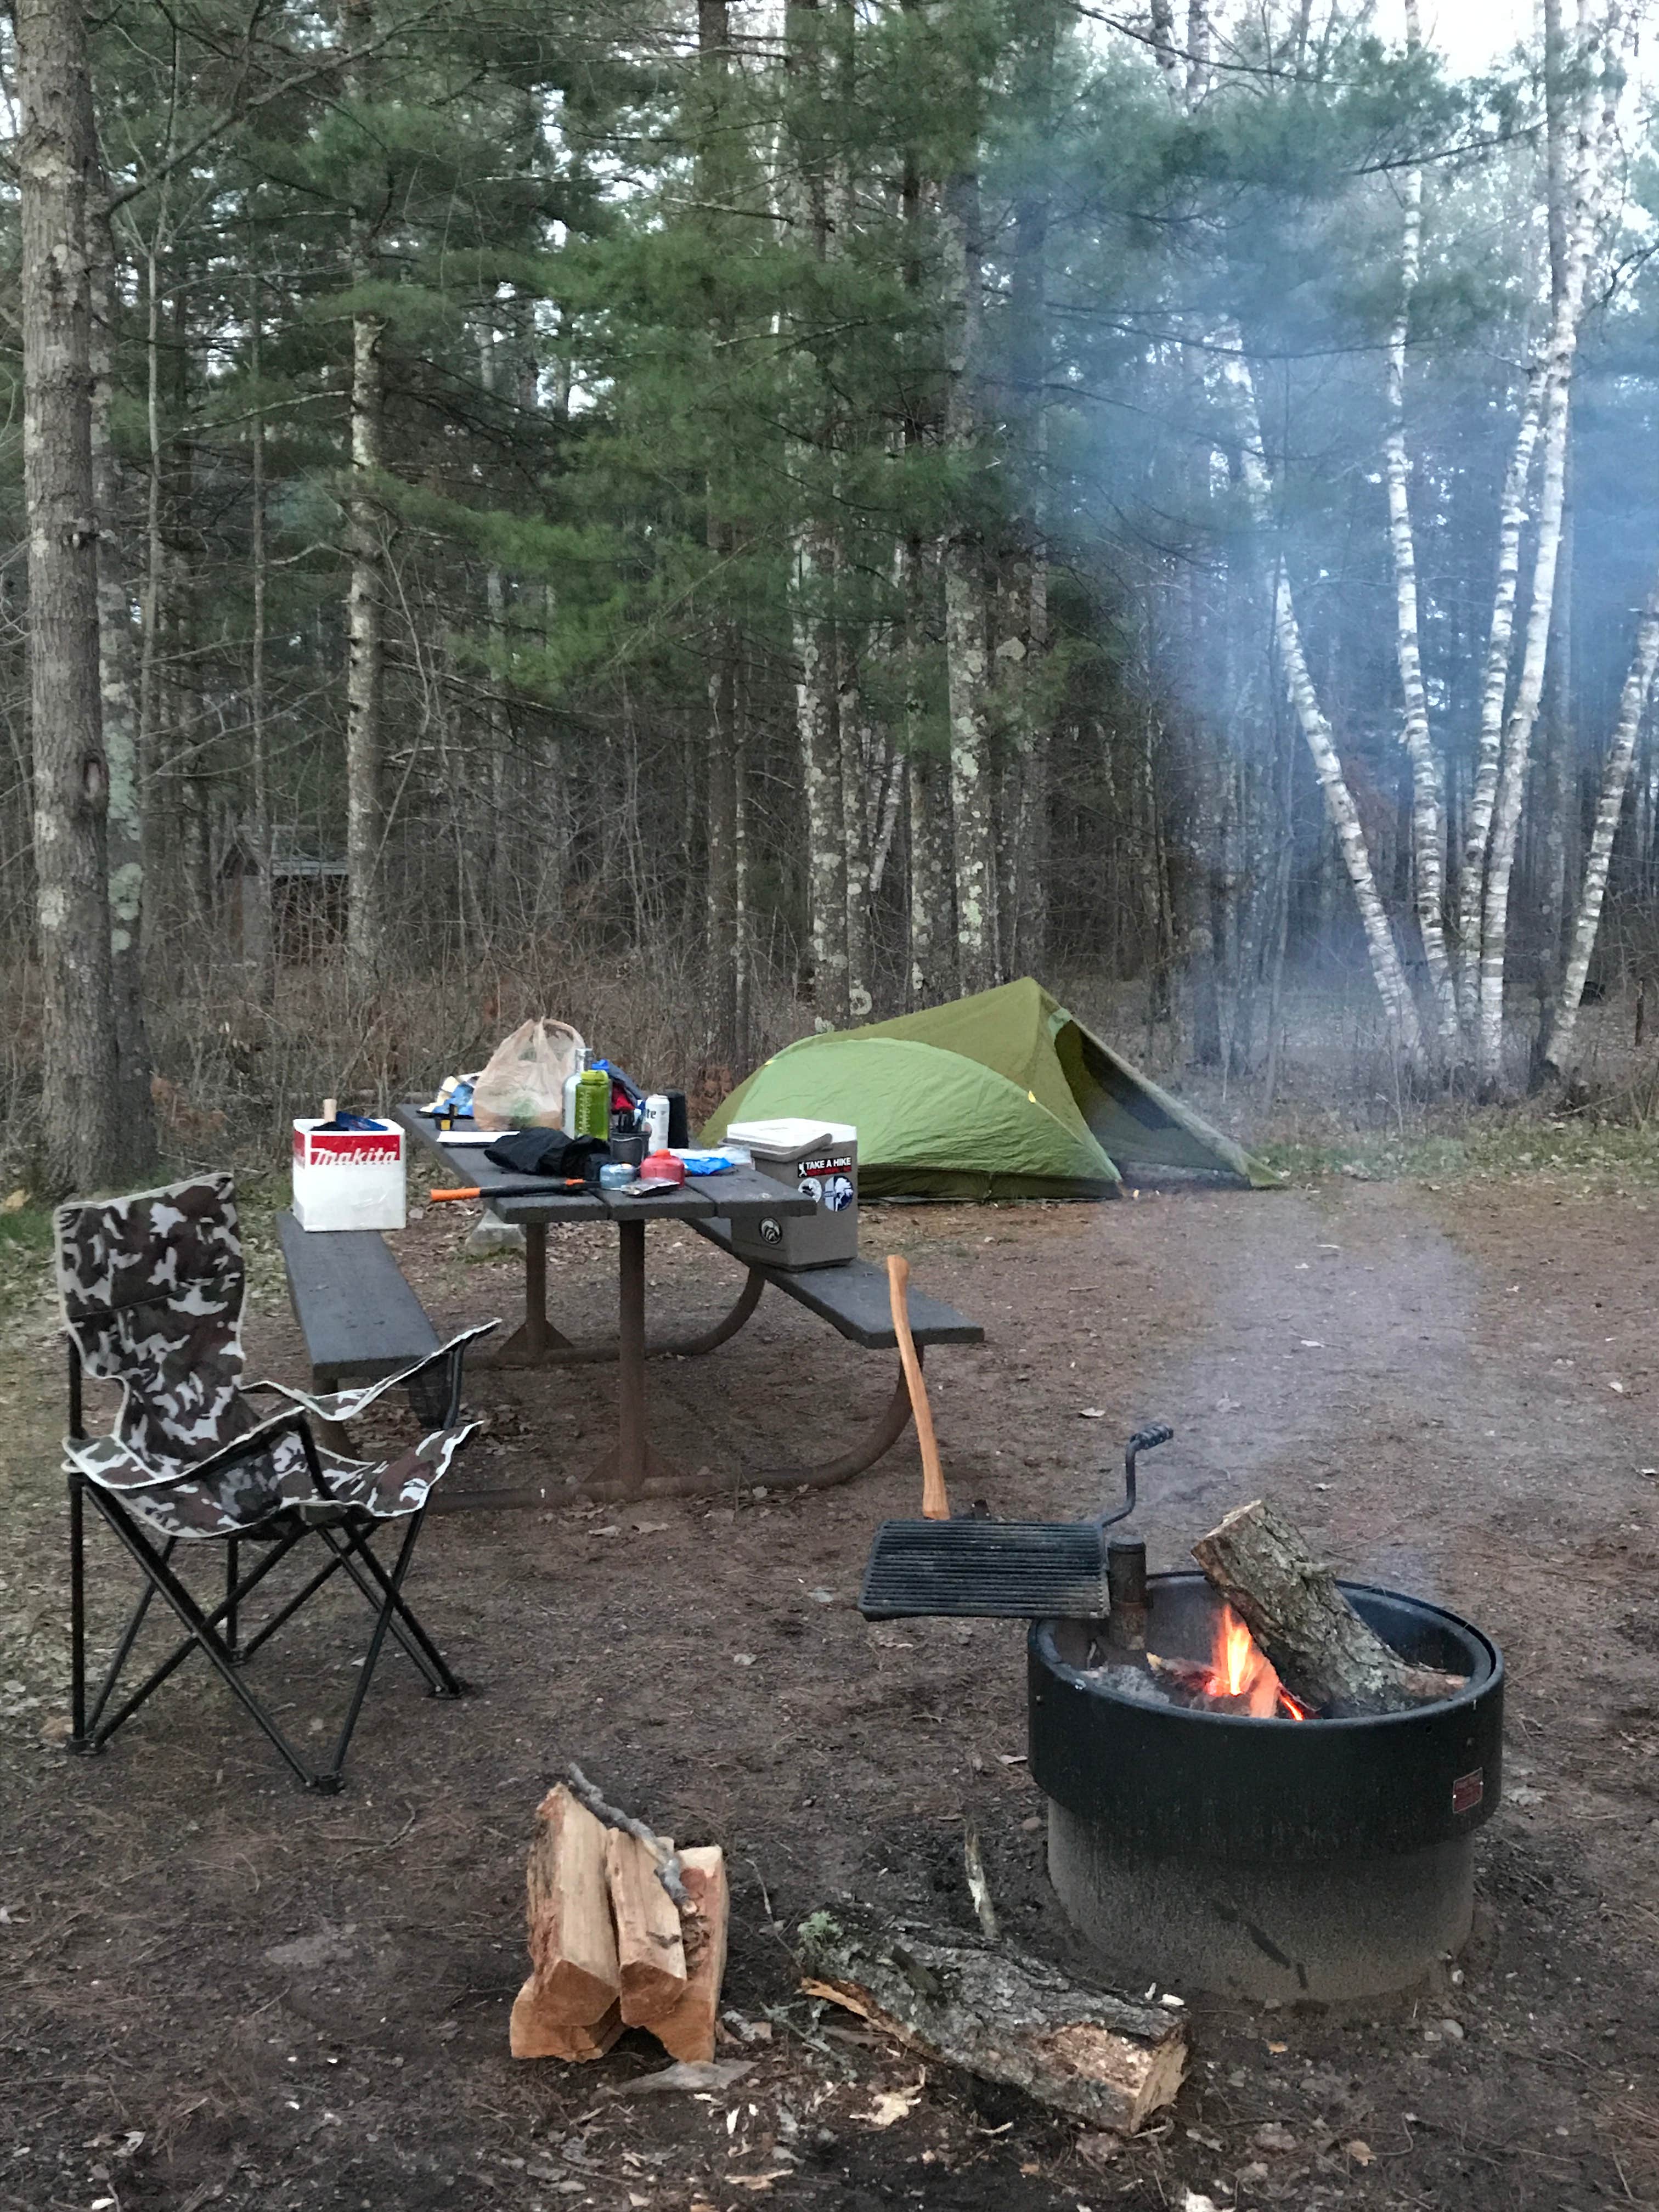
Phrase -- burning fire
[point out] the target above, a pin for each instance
(1240, 1668)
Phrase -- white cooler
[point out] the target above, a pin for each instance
(820, 1160)
(349, 1178)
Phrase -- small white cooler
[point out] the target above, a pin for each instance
(820, 1160)
(349, 1178)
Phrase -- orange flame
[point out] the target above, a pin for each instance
(1240, 1668)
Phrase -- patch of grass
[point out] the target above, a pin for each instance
(25, 1255)
(1492, 1146)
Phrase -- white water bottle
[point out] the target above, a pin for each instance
(656, 1122)
(570, 1082)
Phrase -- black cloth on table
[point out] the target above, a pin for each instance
(548, 1152)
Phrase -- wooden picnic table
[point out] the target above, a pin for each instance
(738, 1195)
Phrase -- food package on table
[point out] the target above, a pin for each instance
(523, 1085)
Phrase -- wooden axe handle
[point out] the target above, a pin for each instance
(935, 1503)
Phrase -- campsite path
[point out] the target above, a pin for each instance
(302, 2003)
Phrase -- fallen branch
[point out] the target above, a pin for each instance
(668, 1859)
(999, 2015)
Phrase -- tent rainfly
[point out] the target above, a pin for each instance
(1002, 1094)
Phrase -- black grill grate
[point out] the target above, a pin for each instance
(992, 1570)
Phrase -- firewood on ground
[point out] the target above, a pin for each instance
(999, 2015)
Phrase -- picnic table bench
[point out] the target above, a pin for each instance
(359, 1317)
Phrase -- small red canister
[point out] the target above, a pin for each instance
(661, 1167)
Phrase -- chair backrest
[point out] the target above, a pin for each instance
(151, 1290)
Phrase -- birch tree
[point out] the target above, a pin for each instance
(1615, 780)
(1428, 788)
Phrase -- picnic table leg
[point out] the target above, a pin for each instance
(535, 1339)
(624, 1472)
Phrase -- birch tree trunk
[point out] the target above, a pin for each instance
(1428, 790)
(82, 1141)
(366, 947)
(1398, 1009)
(1489, 744)
(821, 765)
(124, 827)
(1615, 779)
(1560, 351)
(966, 662)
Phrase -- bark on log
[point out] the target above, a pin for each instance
(573, 1945)
(687, 2030)
(1001, 2016)
(650, 1950)
(1325, 1655)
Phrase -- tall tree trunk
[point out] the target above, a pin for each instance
(966, 656)
(1022, 650)
(1559, 357)
(366, 924)
(125, 828)
(715, 181)
(1428, 793)
(1389, 976)
(1489, 746)
(1615, 779)
(82, 1144)
(260, 911)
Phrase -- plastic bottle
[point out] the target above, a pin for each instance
(592, 1107)
(570, 1083)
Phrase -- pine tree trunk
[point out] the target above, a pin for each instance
(1615, 780)
(931, 921)
(124, 827)
(82, 1144)
(1428, 794)
(1399, 1009)
(966, 656)
(258, 910)
(720, 907)
(366, 929)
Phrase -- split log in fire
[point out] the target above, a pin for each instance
(1327, 1660)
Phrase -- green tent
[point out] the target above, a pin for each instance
(1004, 1095)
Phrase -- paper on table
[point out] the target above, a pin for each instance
(469, 1136)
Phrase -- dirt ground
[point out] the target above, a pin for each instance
(222, 1992)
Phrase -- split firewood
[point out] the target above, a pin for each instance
(650, 1947)
(534, 2034)
(687, 2030)
(573, 1943)
(999, 2015)
(1324, 1654)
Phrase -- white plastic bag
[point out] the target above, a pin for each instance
(523, 1085)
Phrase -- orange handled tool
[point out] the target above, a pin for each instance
(935, 1502)
(529, 1187)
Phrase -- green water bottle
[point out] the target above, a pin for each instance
(592, 1103)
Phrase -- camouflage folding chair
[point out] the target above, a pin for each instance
(151, 1289)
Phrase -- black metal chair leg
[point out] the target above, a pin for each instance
(231, 1549)
(329, 1779)
(181, 1651)
(129, 1638)
(78, 1612)
(416, 1643)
